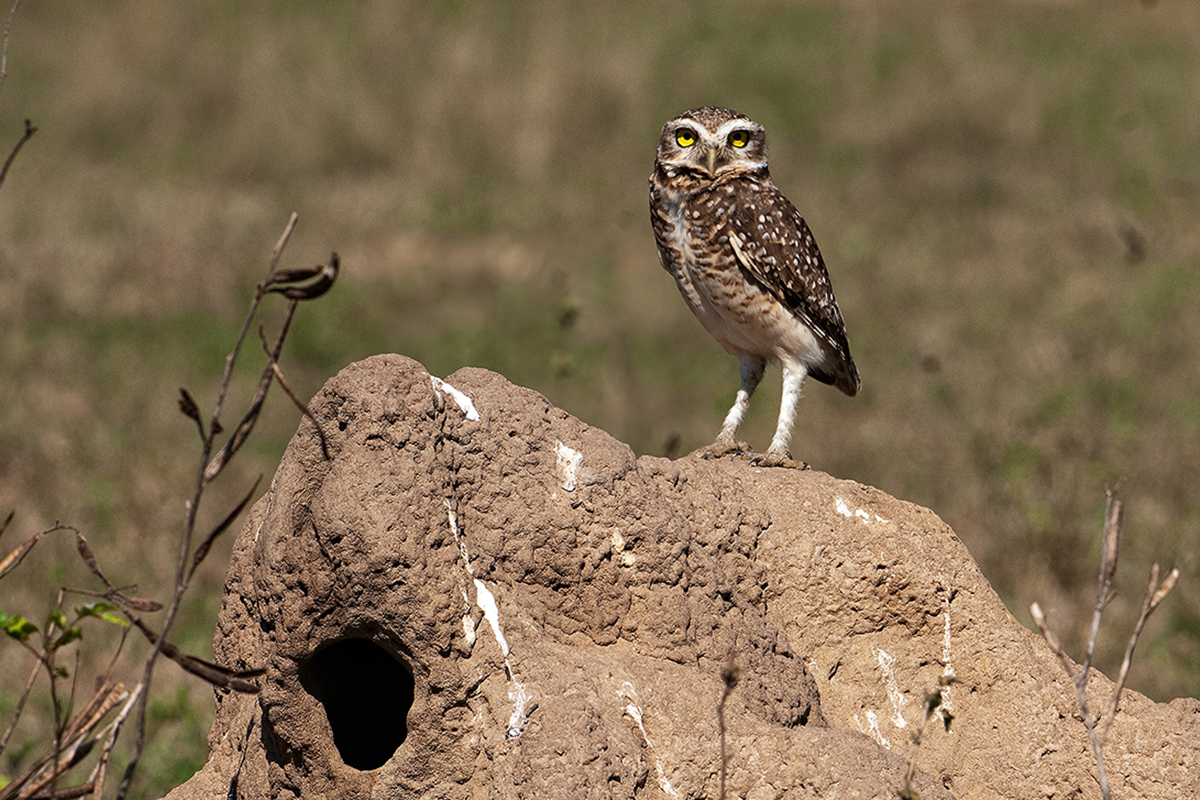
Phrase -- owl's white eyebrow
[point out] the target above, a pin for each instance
(736, 125)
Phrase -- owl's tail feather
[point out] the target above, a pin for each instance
(839, 372)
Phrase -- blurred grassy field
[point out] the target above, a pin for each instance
(1006, 194)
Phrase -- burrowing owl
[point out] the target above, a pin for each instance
(746, 263)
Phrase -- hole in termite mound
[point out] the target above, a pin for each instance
(366, 693)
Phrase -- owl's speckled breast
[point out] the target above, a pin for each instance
(740, 315)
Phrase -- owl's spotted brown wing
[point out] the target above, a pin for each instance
(777, 250)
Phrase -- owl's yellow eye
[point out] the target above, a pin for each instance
(685, 137)
(739, 139)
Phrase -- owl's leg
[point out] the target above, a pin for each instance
(777, 454)
(751, 368)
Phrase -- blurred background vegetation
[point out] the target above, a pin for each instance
(1006, 194)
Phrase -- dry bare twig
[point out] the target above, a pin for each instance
(8, 731)
(1155, 592)
(72, 732)
(78, 741)
(30, 128)
(4, 50)
(22, 630)
(75, 735)
(277, 281)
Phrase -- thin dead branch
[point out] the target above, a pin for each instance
(231, 359)
(75, 735)
(81, 790)
(30, 130)
(300, 404)
(1155, 592)
(4, 50)
(113, 593)
(113, 731)
(237, 680)
(210, 466)
(10, 561)
(18, 553)
(20, 706)
(77, 742)
(328, 274)
(242, 431)
(222, 526)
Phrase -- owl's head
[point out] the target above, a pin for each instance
(712, 142)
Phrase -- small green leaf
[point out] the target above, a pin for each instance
(61, 672)
(70, 635)
(18, 627)
(58, 618)
(95, 609)
(108, 616)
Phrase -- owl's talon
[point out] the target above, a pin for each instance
(770, 459)
(721, 448)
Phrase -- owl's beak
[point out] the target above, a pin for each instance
(712, 161)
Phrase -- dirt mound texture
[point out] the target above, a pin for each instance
(478, 595)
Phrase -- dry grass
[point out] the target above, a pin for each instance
(1006, 197)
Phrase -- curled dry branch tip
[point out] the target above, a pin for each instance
(189, 408)
(112, 593)
(187, 405)
(1167, 585)
(30, 130)
(10, 561)
(1112, 541)
(284, 282)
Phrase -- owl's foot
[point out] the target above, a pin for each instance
(774, 458)
(723, 446)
